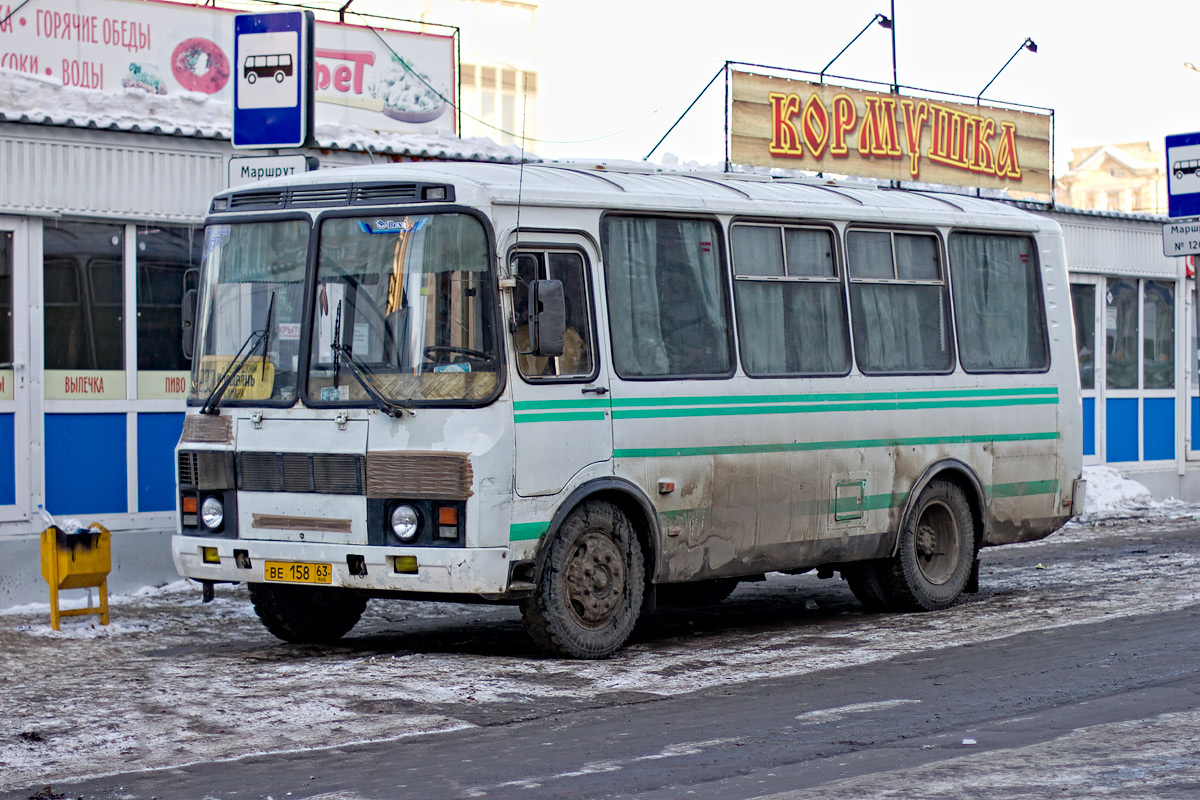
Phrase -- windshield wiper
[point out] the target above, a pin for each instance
(213, 401)
(342, 352)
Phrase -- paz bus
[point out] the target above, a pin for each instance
(587, 390)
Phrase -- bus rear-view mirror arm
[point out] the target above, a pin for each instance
(188, 323)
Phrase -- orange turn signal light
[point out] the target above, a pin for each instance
(188, 504)
(447, 515)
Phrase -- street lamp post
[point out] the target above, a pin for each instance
(884, 22)
(1028, 44)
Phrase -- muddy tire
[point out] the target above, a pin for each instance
(933, 557)
(304, 615)
(695, 593)
(864, 581)
(590, 592)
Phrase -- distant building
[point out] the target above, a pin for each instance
(1115, 177)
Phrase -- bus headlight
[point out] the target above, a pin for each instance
(405, 523)
(212, 512)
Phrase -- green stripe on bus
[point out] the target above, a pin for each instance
(542, 405)
(565, 416)
(846, 444)
(831, 397)
(1044, 393)
(524, 531)
(888, 405)
(1022, 488)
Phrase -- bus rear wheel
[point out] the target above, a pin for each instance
(933, 557)
(590, 592)
(304, 615)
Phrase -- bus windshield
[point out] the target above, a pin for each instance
(251, 300)
(405, 311)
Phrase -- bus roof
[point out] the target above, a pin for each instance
(619, 187)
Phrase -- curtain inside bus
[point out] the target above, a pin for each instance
(665, 298)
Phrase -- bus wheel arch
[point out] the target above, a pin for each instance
(959, 474)
(627, 497)
(934, 555)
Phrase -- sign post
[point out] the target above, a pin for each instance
(273, 79)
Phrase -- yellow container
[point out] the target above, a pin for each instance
(77, 561)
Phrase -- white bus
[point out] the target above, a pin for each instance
(586, 391)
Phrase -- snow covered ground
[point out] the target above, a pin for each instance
(171, 680)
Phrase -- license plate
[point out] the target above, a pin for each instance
(293, 572)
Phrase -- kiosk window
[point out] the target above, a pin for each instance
(6, 292)
(164, 257)
(83, 295)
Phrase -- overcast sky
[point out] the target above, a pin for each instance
(1111, 72)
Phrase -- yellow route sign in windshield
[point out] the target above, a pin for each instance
(255, 380)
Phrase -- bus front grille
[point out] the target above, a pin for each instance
(189, 468)
(322, 473)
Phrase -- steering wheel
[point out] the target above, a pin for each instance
(435, 352)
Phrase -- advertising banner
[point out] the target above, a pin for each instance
(793, 124)
(366, 77)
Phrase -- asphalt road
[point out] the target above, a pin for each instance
(1072, 674)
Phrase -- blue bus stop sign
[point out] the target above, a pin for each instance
(273, 80)
(1183, 175)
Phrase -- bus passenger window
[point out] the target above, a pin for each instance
(791, 311)
(898, 303)
(577, 361)
(998, 303)
(666, 297)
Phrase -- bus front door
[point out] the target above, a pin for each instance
(561, 409)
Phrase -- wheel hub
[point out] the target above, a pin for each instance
(595, 579)
(937, 545)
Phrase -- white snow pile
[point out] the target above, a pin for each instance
(40, 100)
(1111, 494)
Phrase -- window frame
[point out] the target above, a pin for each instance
(310, 299)
(943, 281)
(1037, 271)
(721, 247)
(309, 258)
(545, 249)
(839, 267)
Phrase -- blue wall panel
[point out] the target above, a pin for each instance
(157, 435)
(1089, 426)
(1195, 423)
(85, 464)
(1121, 429)
(1158, 428)
(8, 461)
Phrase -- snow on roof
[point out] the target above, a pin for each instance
(44, 101)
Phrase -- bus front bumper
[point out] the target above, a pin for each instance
(468, 571)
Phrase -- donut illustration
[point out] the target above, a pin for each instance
(196, 54)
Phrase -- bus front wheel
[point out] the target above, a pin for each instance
(590, 592)
(933, 557)
(305, 615)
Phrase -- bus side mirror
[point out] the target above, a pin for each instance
(188, 323)
(547, 318)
